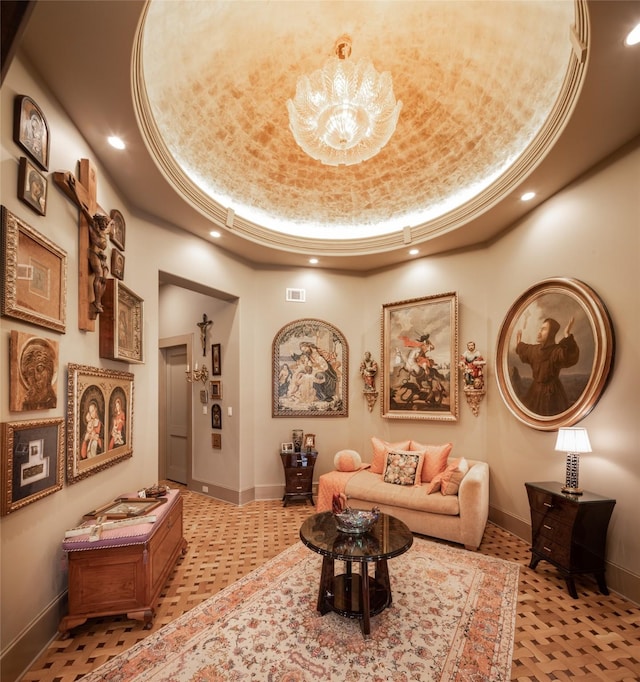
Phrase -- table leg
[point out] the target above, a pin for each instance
(382, 576)
(365, 598)
(326, 583)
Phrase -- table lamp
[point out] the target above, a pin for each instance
(573, 441)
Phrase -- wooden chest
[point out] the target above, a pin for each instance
(126, 576)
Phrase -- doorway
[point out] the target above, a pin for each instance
(174, 420)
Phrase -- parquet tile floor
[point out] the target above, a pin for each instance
(592, 638)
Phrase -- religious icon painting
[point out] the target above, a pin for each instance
(32, 186)
(33, 372)
(31, 131)
(119, 228)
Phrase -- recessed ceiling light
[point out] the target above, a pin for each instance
(527, 196)
(633, 38)
(116, 142)
(313, 261)
(215, 234)
(414, 252)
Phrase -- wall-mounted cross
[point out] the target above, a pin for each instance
(95, 227)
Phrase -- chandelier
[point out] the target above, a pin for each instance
(345, 112)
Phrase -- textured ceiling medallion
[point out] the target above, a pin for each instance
(344, 113)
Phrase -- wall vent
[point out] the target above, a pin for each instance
(298, 295)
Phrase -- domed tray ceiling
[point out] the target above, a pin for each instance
(486, 88)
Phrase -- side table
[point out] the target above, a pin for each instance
(569, 531)
(298, 473)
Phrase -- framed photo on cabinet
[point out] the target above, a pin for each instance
(419, 356)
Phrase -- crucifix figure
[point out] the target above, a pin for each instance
(95, 228)
(204, 325)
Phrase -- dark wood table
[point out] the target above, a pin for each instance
(355, 594)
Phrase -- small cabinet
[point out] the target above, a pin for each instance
(298, 474)
(569, 531)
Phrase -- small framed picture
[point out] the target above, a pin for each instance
(33, 372)
(30, 130)
(216, 416)
(216, 359)
(216, 389)
(119, 229)
(32, 186)
(286, 447)
(216, 441)
(117, 263)
(310, 441)
(126, 508)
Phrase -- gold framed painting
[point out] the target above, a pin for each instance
(121, 324)
(34, 275)
(99, 418)
(32, 461)
(310, 367)
(555, 351)
(419, 355)
(33, 372)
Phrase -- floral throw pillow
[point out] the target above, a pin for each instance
(403, 467)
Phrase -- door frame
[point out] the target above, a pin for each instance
(163, 344)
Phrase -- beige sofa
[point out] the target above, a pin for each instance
(458, 518)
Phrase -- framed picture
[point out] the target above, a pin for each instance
(309, 441)
(32, 186)
(286, 447)
(555, 351)
(216, 389)
(216, 441)
(30, 130)
(310, 367)
(117, 263)
(216, 416)
(216, 359)
(121, 324)
(119, 228)
(99, 419)
(34, 275)
(419, 358)
(32, 461)
(33, 372)
(126, 507)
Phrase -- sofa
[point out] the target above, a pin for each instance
(447, 498)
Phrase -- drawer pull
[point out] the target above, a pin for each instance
(547, 549)
(546, 527)
(548, 504)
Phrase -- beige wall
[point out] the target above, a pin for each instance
(589, 231)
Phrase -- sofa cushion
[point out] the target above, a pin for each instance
(368, 486)
(435, 458)
(403, 467)
(347, 460)
(380, 450)
(448, 481)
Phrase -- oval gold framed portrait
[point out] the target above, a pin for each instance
(555, 352)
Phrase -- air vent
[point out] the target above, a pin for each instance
(298, 295)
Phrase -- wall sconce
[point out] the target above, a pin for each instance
(197, 374)
(573, 442)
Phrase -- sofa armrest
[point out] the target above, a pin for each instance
(473, 498)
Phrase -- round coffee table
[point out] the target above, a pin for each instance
(355, 594)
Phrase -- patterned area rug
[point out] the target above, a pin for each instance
(452, 618)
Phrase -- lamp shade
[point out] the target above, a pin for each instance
(573, 440)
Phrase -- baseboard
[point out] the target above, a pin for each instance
(21, 654)
(619, 580)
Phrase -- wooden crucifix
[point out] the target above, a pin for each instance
(94, 229)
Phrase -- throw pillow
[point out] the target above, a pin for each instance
(380, 450)
(435, 458)
(403, 467)
(347, 460)
(448, 481)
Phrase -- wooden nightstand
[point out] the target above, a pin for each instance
(298, 473)
(569, 531)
